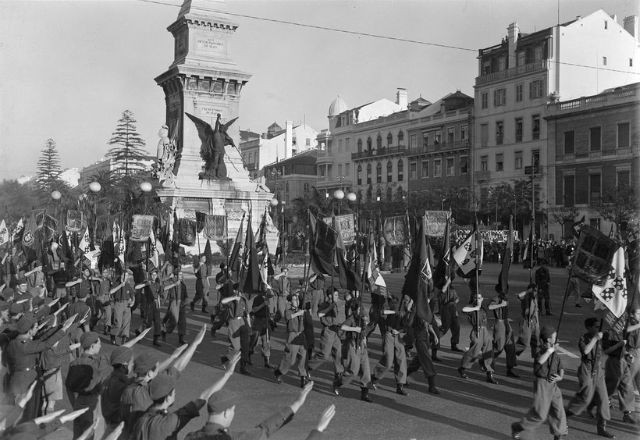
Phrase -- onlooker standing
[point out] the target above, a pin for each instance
(542, 281)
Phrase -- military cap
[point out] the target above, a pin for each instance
(121, 355)
(546, 331)
(16, 308)
(4, 306)
(161, 386)
(88, 339)
(25, 323)
(144, 363)
(220, 401)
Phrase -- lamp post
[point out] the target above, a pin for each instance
(146, 187)
(56, 196)
(338, 195)
(95, 188)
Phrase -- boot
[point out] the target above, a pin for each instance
(516, 429)
(243, 368)
(278, 376)
(434, 355)
(626, 418)
(304, 380)
(462, 374)
(193, 307)
(374, 382)
(364, 395)
(267, 364)
(181, 340)
(113, 340)
(164, 336)
(511, 373)
(155, 341)
(491, 379)
(454, 348)
(337, 383)
(432, 385)
(400, 390)
(602, 430)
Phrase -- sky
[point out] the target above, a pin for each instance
(69, 69)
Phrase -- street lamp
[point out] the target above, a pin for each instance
(338, 195)
(145, 187)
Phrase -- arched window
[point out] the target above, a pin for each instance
(389, 171)
(379, 194)
(369, 194)
(400, 170)
(359, 145)
(389, 193)
(400, 137)
(379, 172)
(369, 144)
(389, 140)
(379, 141)
(359, 174)
(400, 194)
(368, 174)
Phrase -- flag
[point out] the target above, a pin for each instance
(466, 254)
(528, 248)
(207, 252)
(503, 277)
(29, 229)
(374, 278)
(613, 294)
(4, 233)
(201, 219)
(85, 241)
(153, 252)
(262, 248)
(119, 243)
(322, 247)
(442, 270)
(18, 232)
(234, 260)
(416, 282)
(250, 272)
(348, 278)
(576, 226)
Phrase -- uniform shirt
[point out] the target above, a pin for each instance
(263, 313)
(77, 379)
(481, 315)
(112, 391)
(529, 307)
(592, 359)
(79, 307)
(330, 310)
(23, 352)
(295, 327)
(261, 432)
(609, 341)
(56, 356)
(633, 338)
(502, 312)
(542, 276)
(159, 425)
(239, 308)
(355, 338)
(553, 365)
(125, 293)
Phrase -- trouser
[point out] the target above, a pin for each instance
(547, 405)
(529, 337)
(121, 319)
(635, 368)
(199, 295)
(316, 299)
(293, 354)
(239, 338)
(423, 357)
(450, 321)
(86, 419)
(358, 366)
(106, 314)
(170, 323)
(481, 349)
(393, 352)
(618, 378)
(543, 297)
(152, 318)
(503, 339)
(591, 386)
(260, 334)
(331, 346)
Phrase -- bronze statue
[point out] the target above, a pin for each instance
(212, 149)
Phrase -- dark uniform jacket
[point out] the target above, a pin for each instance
(161, 425)
(213, 431)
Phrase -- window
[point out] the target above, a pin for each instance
(347, 169)
(537, 53)
(450, 171)
(359, 145)
(359, 174)
(425, 169)
(339, 145)
(306, 187)
(369, 144)
(484, 97)
(623, 135)
(535, 127)
(329, 171)
(451, 135)
(499, 132)
(379, 194)
(329, 147)
(437, 168)
(499, 162)
(463, 132)
(322, 170)
(519, 89)
(339, 170)
(400, 137)
(379, 172)
(347, 144)
(521, 58)
(630, 62)
(604, 61)
(437, 138)
(519, 128)
(413, 170)
(379, 142)
(389, 194)
(464, 165)
(499, 97)
(413, 141)
(595, 140)
(389, 140)
(606, 24)
(569, 190)
(517, 162)
(623, 178)
(536, 89)
(535, 160)
(569, 137)
(484, 135)
(400, 170)
(389, 171)
(595, 223)
(484, 163)
(368, 174)
(502, 64)
(595, 188)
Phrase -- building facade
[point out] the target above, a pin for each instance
(292, 178)
(518, 77)
(596, 152)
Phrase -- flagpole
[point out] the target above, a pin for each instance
(477, 271)
(564, 301)
(308, 255)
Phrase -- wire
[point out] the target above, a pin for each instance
(368, 34)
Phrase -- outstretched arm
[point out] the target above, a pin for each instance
(183, 360)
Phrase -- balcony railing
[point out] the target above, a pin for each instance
(536, 66)
(380, 152)
(438, 148)
(594, 101)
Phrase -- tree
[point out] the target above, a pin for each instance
(620, 206)
(48, 167)
(565, 216)
(127, 151)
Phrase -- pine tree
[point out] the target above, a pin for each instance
(49, 170)
(127, 151)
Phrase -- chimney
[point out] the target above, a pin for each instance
(288, 139)
(512, 36)
(401, 98)
(631, 25)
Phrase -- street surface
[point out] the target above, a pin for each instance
(465, 409)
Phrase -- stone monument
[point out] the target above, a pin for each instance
(202, 90)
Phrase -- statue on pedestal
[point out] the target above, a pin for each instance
(166, 156)
(212, 148)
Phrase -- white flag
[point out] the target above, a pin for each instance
(613, 294)
(153, 251)
(85, 241)
(465, 255)
(4, 233)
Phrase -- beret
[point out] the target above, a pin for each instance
(144, 363)
(25, 322)
(88, 339)
(121, 355)
(220, 401)
(590, 322)
(546, 331)
(16, 308)
(161, 386)
(4, 306)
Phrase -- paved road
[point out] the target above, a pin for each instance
(469, 409)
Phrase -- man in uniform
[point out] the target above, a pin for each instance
(330, 343)
(238, 327)
(176, 316)
(447, 304)
(202, 284)
(618, 373)
(423, 332)
(542, 281)
(530, 325)
(503, 339)
(260, 329)
(122, 361)
(123, 299)
(317, 285)
(481, 342)
(295, 349)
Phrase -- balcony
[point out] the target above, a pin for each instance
(379, 153)
(324, 157)
(482, 176)
(536, 66)
(440, 148)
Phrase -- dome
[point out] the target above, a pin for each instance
(337, 106)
